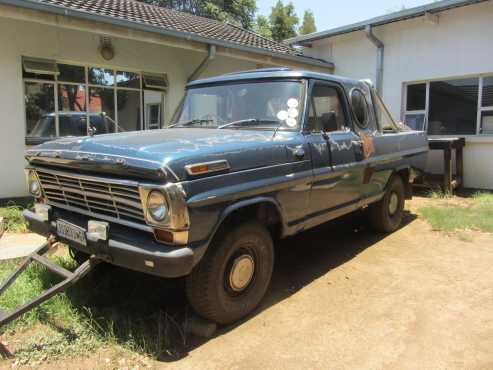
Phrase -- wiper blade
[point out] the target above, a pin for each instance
(191, 122)
(248, 122)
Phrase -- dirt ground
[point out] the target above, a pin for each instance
(344, 298)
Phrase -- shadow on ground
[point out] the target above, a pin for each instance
(149, 313)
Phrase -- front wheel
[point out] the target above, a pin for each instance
(386, 214)
(234, 274)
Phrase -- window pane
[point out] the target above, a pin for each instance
(453, 107)
(416, 97)
(69, 73)
(72, 124)
(325, 110)
(487, 122)
(40, 66)
(101, 76)
(360, 108)
(152, 81)
(102, 102)
(128, 110)
(487, 100)
(40, 108)
(128, 79)
(153, 102)
(71, 98)
(415, 121)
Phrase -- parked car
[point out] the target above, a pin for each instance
(250, 158)
(70, 124)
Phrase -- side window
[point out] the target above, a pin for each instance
(326, 111)
(360, 108)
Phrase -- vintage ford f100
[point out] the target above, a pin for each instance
(249, 158)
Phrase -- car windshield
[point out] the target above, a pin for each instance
(268, 105)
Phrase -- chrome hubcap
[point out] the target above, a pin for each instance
(393, 203)
(241, 272)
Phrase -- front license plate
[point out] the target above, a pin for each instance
(71, 232)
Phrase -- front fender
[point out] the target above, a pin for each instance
(245, 203)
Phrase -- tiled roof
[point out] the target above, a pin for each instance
(173, 20)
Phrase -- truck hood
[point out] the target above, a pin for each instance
(165, 153)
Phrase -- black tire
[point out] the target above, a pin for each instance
(386, 215)
(210, 287)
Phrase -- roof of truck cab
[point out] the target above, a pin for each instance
(274, 73)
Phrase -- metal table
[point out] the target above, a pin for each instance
(447, 145)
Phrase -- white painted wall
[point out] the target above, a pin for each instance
(459, 45)
(23, 38)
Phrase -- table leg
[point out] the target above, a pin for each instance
(447, 171)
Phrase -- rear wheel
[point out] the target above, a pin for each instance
(233, 276)
(386, 214)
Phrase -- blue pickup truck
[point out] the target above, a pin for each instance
(249, 158)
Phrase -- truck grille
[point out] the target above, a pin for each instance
(117, 201)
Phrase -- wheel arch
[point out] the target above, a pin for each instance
(404, 172)
(265, 209)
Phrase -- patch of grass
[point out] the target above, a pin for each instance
(13, 219)
(439, 194)
(110, 306)
(478, 216)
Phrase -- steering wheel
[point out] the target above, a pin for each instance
(213, 117)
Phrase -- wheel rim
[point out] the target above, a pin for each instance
(241, 272)
(393, 203)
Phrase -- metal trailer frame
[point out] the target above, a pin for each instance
(70, 278)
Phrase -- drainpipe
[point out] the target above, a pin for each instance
(379, 44)
(210, 55)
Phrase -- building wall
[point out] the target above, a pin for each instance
(23, 38)
(416, 49)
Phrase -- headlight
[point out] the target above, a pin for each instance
(34, 185)
(157, 206)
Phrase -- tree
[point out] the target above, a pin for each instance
(262, 26)
(308, 25)
(283, 20)
(240, 12)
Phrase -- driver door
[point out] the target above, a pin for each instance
(334, 150)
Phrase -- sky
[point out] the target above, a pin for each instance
(334, 13)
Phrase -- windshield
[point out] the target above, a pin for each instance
(259, 105)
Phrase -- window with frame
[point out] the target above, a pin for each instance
(460, 106)
(326, 112)
(415, 114)
(73, 100)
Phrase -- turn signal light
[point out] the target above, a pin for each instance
(199, 169)
(163, 236)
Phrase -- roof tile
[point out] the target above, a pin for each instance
(174, 20)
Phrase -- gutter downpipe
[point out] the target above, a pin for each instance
(380, 53)
(211, 54)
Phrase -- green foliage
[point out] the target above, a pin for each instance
(283, 20)
(110, 306)
(262, 26)
(308, 25)
(478, 216)
(240, 12)
(13, 219)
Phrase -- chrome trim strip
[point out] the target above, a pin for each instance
(105, 180)
(102, 217)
